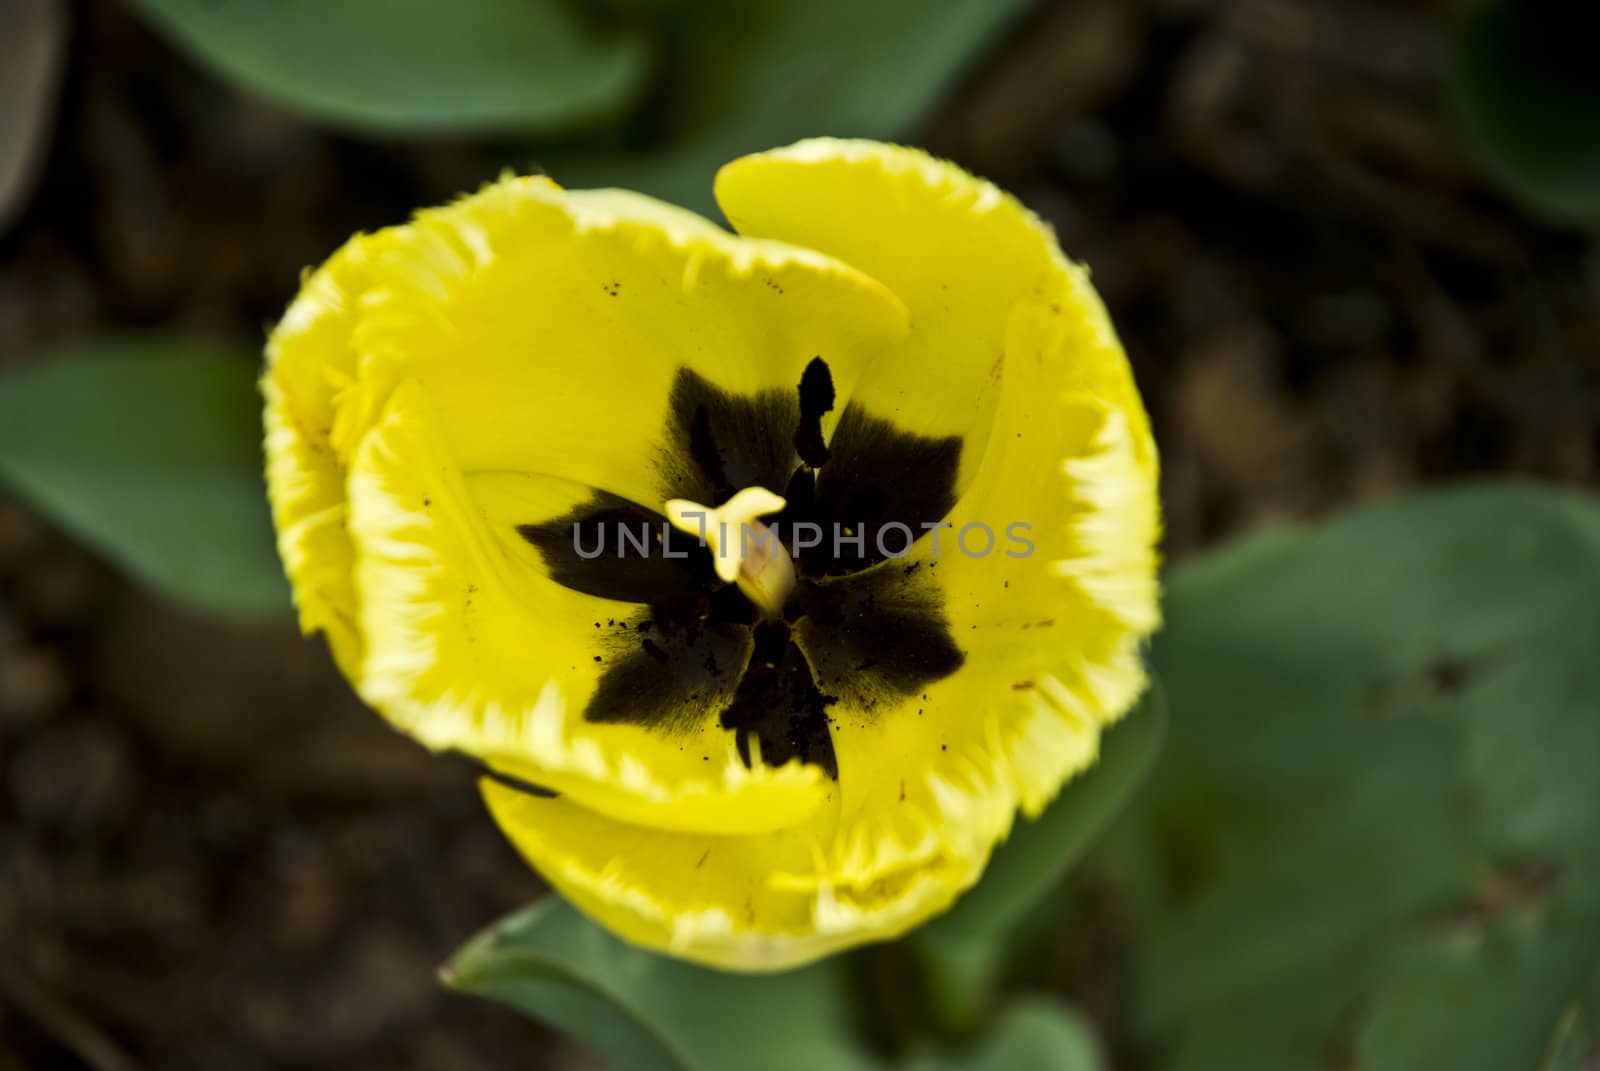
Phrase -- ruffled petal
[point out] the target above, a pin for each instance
(311, 369)
(957, 250)
(1046, 570)
(549, 329)
(750, 903)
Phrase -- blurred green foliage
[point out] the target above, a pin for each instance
(653, 95)
(414, 66)
(1372, 838)
(1526, 92)
(743, 77)
(149, 450)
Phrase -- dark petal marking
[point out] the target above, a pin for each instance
(779, 703)
(672, 674)
(878, 475)
(876, 637)
(816, 400)
(620, 571)
(718, 443)
(706, 455)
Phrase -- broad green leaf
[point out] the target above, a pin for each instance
(1526, 93)
(414, 66)
(645, 1012)
(150, 451)
(1371, 839)
(749, 77)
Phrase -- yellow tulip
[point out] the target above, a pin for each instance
(497, 435)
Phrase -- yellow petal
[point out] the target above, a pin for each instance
(724, 901)
(958, 251)
(311, 364)
(548, 328)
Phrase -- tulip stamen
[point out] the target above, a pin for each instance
(744, 550)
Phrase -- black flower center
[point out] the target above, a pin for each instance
(859, 632)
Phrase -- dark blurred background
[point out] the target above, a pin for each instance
(212, 857)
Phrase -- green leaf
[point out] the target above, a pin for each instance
(150, 451)
(1371, 839)
(749, 77)
(1526, 93)
(645, 1012)
(413, 66)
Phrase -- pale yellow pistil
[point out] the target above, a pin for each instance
(744, 549)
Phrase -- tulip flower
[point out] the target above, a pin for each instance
(768, 574)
